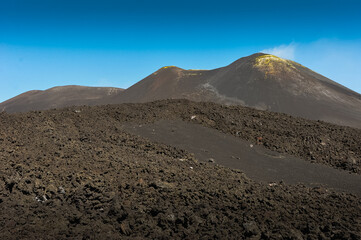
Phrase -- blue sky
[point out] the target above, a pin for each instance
(46, 43)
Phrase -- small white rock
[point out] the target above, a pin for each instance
(193, 117)
(41, 199)
(61, 190)
(45, 199)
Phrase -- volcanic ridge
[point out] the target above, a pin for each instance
(261, 81)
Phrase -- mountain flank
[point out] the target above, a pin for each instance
(58, 97)
(260, 81)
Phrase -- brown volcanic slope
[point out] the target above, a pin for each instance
(261, 81)
(76, 174)
(58, 97)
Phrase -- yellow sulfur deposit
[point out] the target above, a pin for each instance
(271, 64)
(167, 67)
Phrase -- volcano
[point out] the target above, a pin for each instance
(260, 81)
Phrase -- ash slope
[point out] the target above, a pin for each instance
(76, 174)
(257, 162)
(58, 97)
(261, 81)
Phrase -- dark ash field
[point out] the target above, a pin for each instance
(78, 173)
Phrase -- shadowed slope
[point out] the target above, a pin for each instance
(58, 97)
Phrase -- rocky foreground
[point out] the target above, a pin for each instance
(74, 173)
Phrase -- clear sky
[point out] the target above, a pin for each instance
(46, 43)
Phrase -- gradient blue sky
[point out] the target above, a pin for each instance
(46, 43)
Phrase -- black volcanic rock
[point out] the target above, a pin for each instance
(75, 173)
